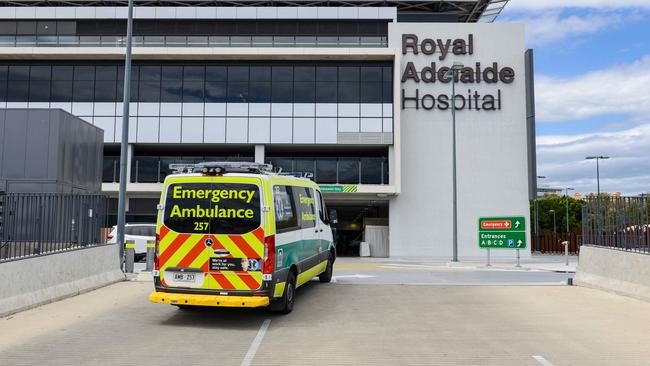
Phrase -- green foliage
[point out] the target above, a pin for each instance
(558, 204)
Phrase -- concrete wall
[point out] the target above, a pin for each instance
(31, 282)
(492, 166)
(625, 273)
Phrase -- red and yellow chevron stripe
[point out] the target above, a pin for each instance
(189, 250)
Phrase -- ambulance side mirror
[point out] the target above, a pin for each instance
(333, 216)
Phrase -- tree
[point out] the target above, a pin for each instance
(558, 204)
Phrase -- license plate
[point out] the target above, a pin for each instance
(184, 277)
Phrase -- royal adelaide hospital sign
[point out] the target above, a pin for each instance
(433, 72)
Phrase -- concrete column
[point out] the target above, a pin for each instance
(259, 154)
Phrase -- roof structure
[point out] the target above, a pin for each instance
(466, 10)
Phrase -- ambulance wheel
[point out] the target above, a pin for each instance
(326, 276)
(284, 305)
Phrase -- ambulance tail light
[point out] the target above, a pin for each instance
(156, 261)
(269, 255)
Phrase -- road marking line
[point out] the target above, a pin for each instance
(333, 279)
(252, 350)
(542, 360)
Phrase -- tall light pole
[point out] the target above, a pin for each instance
(536, 213)
(554, 228)
(452, 73)
(566, 198)
(597, 158)
(121, 206)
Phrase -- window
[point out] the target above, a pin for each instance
(61, 91)
(326, 170)
(62, 72)
(106, 72)
(140, 230)
(215, 91)
(41, 73)
(305, 165)
(371, 170)
(149, 91)
(195, 73)
(322, 209)
(216, 73)
(260, 92)
(39, 91)
(214, 82)
(304, 73)
(18, 72)
(348, 92)
(192, 91)
(326, 92)
(237, 92)
(305, 92)
(260, 73)
(237, 73)
(282, 92)
(371, 92)
(84, 73)
(305, 201)
(285, 209)
(18, 91)
(348, 171)
(82, 91)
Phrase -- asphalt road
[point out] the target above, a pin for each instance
(338, 324)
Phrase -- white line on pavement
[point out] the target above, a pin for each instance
(542, 360)
(252, 350)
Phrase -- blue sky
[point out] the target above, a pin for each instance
(592, 75)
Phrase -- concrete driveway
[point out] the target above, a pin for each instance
(339, 324)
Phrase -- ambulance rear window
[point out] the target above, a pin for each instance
(212, 208)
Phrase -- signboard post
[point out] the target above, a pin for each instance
(508, 232)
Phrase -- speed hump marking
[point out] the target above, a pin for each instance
(502, 232)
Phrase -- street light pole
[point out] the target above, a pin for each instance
(452, 73)
(536, 213)
(554, 227)
(121, 206)
(566, 198)
(598, 221)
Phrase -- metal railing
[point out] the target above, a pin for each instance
(194, 41)
(33, 224)
(617, 222)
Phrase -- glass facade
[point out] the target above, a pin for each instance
(330, 82)
(152, 168)
(337, 169)
(194, 41)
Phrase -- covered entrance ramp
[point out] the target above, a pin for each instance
(361, 218)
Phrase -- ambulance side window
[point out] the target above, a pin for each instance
(322, 211)
(286, 218)
(305, 201)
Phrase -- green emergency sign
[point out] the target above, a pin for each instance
(502, 232)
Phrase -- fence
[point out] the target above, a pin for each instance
(33, 224)
(551, 242)
(617, 222)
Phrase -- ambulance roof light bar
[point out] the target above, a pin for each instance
(308, 175)
(221, 167)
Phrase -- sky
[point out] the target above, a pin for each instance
(592, 90)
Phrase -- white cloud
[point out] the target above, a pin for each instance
(551, 26)
(562, 160)
(589, 4)
(621, 89)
